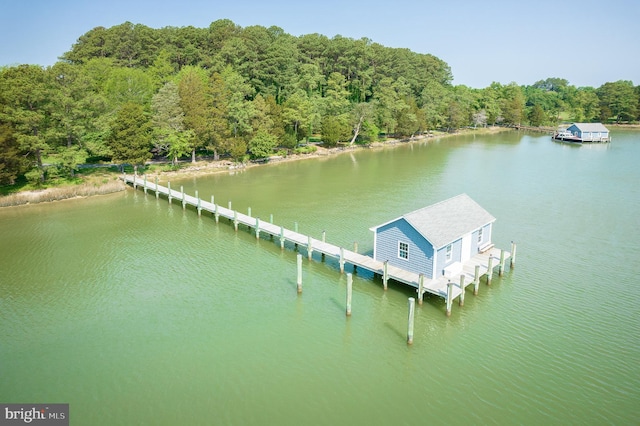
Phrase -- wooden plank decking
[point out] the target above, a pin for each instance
(438, 287)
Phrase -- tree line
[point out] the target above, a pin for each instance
(130, 92)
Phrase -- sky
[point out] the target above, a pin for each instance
(586, 42)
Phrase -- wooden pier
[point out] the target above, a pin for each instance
(447, 288)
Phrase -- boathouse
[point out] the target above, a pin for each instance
(589, 132)
(435, 240)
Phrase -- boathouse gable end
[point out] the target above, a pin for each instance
(589, 132)
(398, 234)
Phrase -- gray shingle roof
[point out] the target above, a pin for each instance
(446, 221)
(591, 127)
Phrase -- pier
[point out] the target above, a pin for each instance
(449, 288)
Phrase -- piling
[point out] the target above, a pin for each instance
(449, 297)
(271, 218)
(355, 246)
(299, 280)
(324, 236)
(157, 193)
(513, 254)
(257, 228)
(341, 260)
(169, 187)
(501, 269)
(282, 238)
(461, 301)
(295, 226)
(145, 183)
(412, 309)
(199, 206)
(216, 213)
(349, 293)
(235, 220)
(229, 205)
(184, 203)
(476, 280)
(420, 288)
(309, 247)
(490, 270)
(249, 212)
(385, 274)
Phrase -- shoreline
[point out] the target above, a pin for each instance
(204, 168)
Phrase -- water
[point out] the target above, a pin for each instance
(135, 311)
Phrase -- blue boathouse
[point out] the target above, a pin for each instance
(589, 132)
(435, 240)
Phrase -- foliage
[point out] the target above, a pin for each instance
(237, 91)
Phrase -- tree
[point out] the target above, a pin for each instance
(168, 119)
(12, 161)
(192, 88)
(262, 145)
(25, 95)
(130, 138)
(618, 100)
(537, 117)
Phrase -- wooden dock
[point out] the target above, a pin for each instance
(447, 288)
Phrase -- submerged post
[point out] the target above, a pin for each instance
(461, 301)
(341, 260)
(420, 288)
(299, 281)
(309, 247)
(385, 274)
(490, 270)
(501, 269)
(449, 297)
(476, 280)
(513, 254)
(412, 309)
(349, 293)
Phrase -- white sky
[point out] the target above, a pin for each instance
(587, 42)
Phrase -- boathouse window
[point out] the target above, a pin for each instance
(480, 235)
(449, 253)
(403, 250)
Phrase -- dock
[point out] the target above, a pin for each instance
(449, 288)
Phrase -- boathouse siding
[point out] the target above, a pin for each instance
(435, 240)
(420, 252)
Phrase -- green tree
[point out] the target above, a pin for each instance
(130, 138)
(618, 100)
(168, 118)
(537, 117)
(25, 96)
(262, 144)
(12, 161)
(192, 88)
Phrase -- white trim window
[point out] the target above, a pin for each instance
(480, 232)
(403, 250)
(449, 253)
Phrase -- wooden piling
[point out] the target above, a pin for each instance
(235, 220)
(501, 269)
(449, 297)
(295, 226)
(257, 228)
(169, 187)
(309, 247)
(145, 183)
(513, 254)
(229, 205)
(271, 218)
(299, 280)
(349, 293)
(476, 280)
(490, 270)
(412, 309)
(355, 246)
(282, 237)
(216, 214)
(341, 260)
(385, 274)
(157, 193)
(461, 301)
(249, 212)
(420, 288)
(184, 203)
(199, 205)
(324, 236)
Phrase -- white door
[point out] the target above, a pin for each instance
(466, 248)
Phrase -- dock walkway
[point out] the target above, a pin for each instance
(447, 288)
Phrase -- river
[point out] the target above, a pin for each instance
(134, 311)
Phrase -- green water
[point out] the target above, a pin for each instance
(137, 312)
